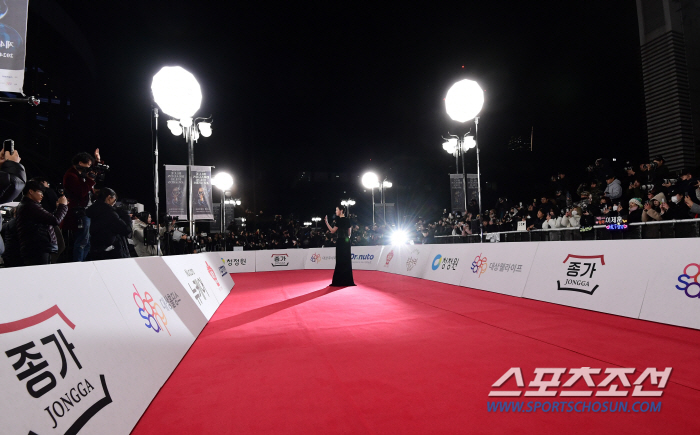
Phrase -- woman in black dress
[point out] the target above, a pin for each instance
(342, 277)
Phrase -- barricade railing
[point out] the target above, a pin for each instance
(673, 229)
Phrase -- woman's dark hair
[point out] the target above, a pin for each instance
(143, 216)
(104, 193)
(82, 158)
(344, 209)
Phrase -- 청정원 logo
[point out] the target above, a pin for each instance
(690, 281)
(581, 283)
(479, 265)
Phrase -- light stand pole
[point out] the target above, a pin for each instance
(370, 181)
(463, 103)
(155, 183)
(478, 169)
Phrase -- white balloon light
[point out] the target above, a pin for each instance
(464, 100)
(450, 146)
(370, 180)
(175, 127)
(469, 143)
(176, 92)
(222, 180)
(204, 128)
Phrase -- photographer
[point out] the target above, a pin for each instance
(109, 227)
(144, 235)
(11, 256)
(652, 208)
(614, 189)
(49, 203)
(78, 182)
(677, 208)
(635, 210)
(35, 226)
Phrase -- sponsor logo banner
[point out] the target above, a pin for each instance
(280, 259)
(196, 281)
(320, 258)
(672, 295)
(13, 48)
(446, 263)
(366, 257)
(238, 261)
(595, 275)
(499, 268)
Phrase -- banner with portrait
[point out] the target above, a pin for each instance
(458, 193)
(176, 191)
(13, 44)
(201, 193)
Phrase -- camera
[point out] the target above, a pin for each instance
(60, 190)
(670, 180)
(646, 186)
(628, 166)
(99, 171)
(652, 165)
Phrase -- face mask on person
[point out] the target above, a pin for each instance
(674, 199)
(574, 213)
(614, 208)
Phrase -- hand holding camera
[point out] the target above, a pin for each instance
(62, 200)
(8, 152)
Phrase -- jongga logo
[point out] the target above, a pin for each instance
(573, 270)
(316, 258)
(479, 265)
(689, 282)
(436, 262)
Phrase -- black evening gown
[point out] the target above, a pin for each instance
(342, 277)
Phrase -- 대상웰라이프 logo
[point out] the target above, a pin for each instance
(579, 272)
(280, 260)
(150, 311)
(479, 265)
(315, 258)
(689, 282)
(389, 256)
(51, 371)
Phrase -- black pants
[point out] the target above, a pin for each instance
(37, 259)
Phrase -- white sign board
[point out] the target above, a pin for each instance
(216, 266)
(195, 278)
(274, 260)
(151, 315)
(413, 259)
(609, 276)
(447, 263)
(320, 258)
(239, 261)
(68, 362)
(365, 257)
(673, 293)
(498, 267)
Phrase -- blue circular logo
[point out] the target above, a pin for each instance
(436, 262)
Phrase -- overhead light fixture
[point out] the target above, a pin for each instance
(464, 100)
(176, 92)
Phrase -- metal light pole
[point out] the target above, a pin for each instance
(370, 181)
(463, 103)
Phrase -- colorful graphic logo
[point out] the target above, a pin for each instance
(479, 265)
(316, 258)
(212, 274)
(690, 282)
(436, 262)
(576, 281)
(389, 256)
(150, 311)
(411, 262)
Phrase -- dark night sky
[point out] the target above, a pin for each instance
(346, 88)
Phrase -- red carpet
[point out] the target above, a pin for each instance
(285, 354)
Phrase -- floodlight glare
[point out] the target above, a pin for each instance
(222, 180)
(387, 184)
(175, 127)
(469, 143)
(204, 128)
(464, 100)
(176, 92)
(399, 237)
(450, 146)
(370, 180)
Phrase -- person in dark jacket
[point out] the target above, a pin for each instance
(49, 203)
(11, 256)
(108, 227)
(78, 183)
(12, 176)
(35, 226)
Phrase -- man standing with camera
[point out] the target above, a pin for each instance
(78, 183)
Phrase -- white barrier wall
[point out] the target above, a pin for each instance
(239, 261)
(609, 276)
(320, 258)
(673, 293)
(496, 268)
(280, 259)
(366, 257)
(445, 263)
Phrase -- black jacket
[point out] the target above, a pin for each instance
(105, 225)
(12, 181)
(11, 256)
(35, 227)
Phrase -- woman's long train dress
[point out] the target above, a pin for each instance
(342, 277)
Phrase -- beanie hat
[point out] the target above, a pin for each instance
(636, 201)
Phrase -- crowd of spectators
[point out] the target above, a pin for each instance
(78, 220)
